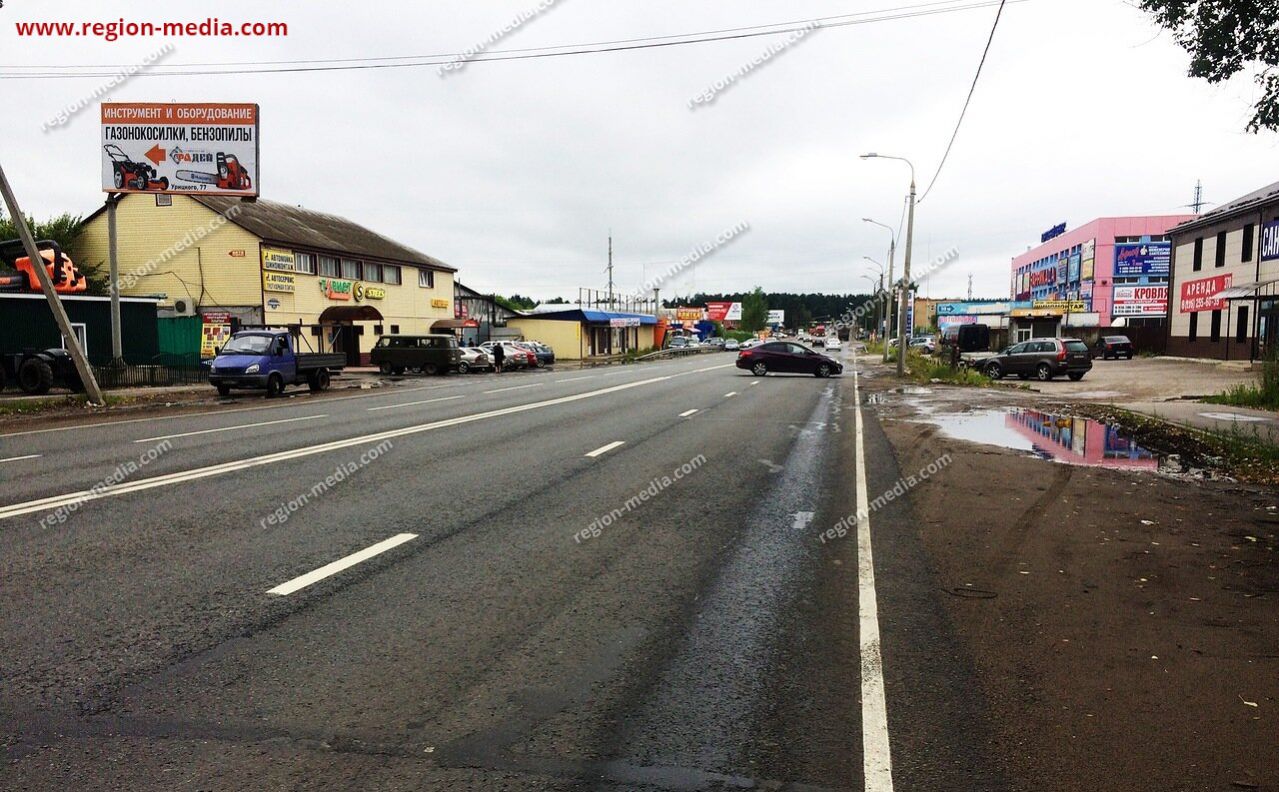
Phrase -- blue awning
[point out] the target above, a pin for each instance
(588, 316)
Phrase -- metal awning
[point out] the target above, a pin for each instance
(1244, 291)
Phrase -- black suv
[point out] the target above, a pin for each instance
(1043, 358)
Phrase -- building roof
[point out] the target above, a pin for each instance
(1238, 206)
(293, 225)
(589, 316)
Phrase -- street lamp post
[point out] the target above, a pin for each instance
(892, 250)
(910, 235)
(879, 300)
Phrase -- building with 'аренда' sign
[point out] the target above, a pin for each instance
(235, 263)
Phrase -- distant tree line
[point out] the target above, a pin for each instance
(801, 309)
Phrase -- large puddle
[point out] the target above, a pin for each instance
(1062, 438)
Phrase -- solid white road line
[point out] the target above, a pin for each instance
(19, 459)
(415, 403)
(515, 387)
(687, 413)
(328, 570)
(606, 448)
(230, 428)
(730, 394)
(84, 496)
(206, 413)
(576, 379)
(877, 764)
(756, 382)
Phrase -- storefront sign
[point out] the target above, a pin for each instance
(237, 253)
(974, 308)
(724, 311)
(442, 303)
(277, 281)
(336, 289)
(688, 314)
(1064, 306)
(1044, 277)
(1270, 241)
(627, 321)
(1133, 260)
(278, 260)
(214, 332)
(1196, 295)
(1140, 301)
(1053, 232)
(373, 293)
(206, 148)
(777, 317)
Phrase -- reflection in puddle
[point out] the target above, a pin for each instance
(1075, 441)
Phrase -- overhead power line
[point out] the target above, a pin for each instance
(417, 61)
(998, 15)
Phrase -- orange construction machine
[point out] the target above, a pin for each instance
(19, 274)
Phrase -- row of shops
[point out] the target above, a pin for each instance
(1189, 285)
(225, 264)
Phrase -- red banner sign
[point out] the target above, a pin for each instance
(1197, 295)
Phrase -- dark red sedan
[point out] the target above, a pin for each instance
(787, 357)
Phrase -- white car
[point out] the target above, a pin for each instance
(833, 342)
(751, 344)
(732, 345)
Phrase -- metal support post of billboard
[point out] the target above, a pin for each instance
(46, 285)
(117, 343)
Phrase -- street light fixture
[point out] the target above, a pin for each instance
(910, 235)
(892, 252)
(879, 289)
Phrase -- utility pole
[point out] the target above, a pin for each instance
(1198, 203)
(59, 313)
(610, 270)
(901, 309)
(117, 343)
(970, 287)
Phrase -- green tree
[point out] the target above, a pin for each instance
(65, 230)
(754, 311)
(1225, 37)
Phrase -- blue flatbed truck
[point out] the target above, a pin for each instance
(269, 360)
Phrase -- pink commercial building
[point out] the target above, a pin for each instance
(1110, 272)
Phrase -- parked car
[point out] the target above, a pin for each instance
(545, 355)
(1113, 347)
(787, 357)
(925, 343)
(474, 359)
(542, 356)
(513, 356)
(715, 341)
(732, 345)
(751, 343)
(1043, 358)
(429, 354)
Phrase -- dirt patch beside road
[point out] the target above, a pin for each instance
(1124, 624)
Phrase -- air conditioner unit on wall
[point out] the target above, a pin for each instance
(184, 307)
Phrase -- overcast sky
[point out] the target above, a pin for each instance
(515, 172)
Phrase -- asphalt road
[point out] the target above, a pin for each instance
(510, 612)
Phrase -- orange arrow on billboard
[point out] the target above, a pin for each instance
(156, 154)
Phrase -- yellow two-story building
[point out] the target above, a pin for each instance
(240, 263)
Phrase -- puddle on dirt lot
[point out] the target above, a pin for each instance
(1061, 438)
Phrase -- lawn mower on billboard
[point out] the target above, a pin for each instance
(231, 174)
(132, 175)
